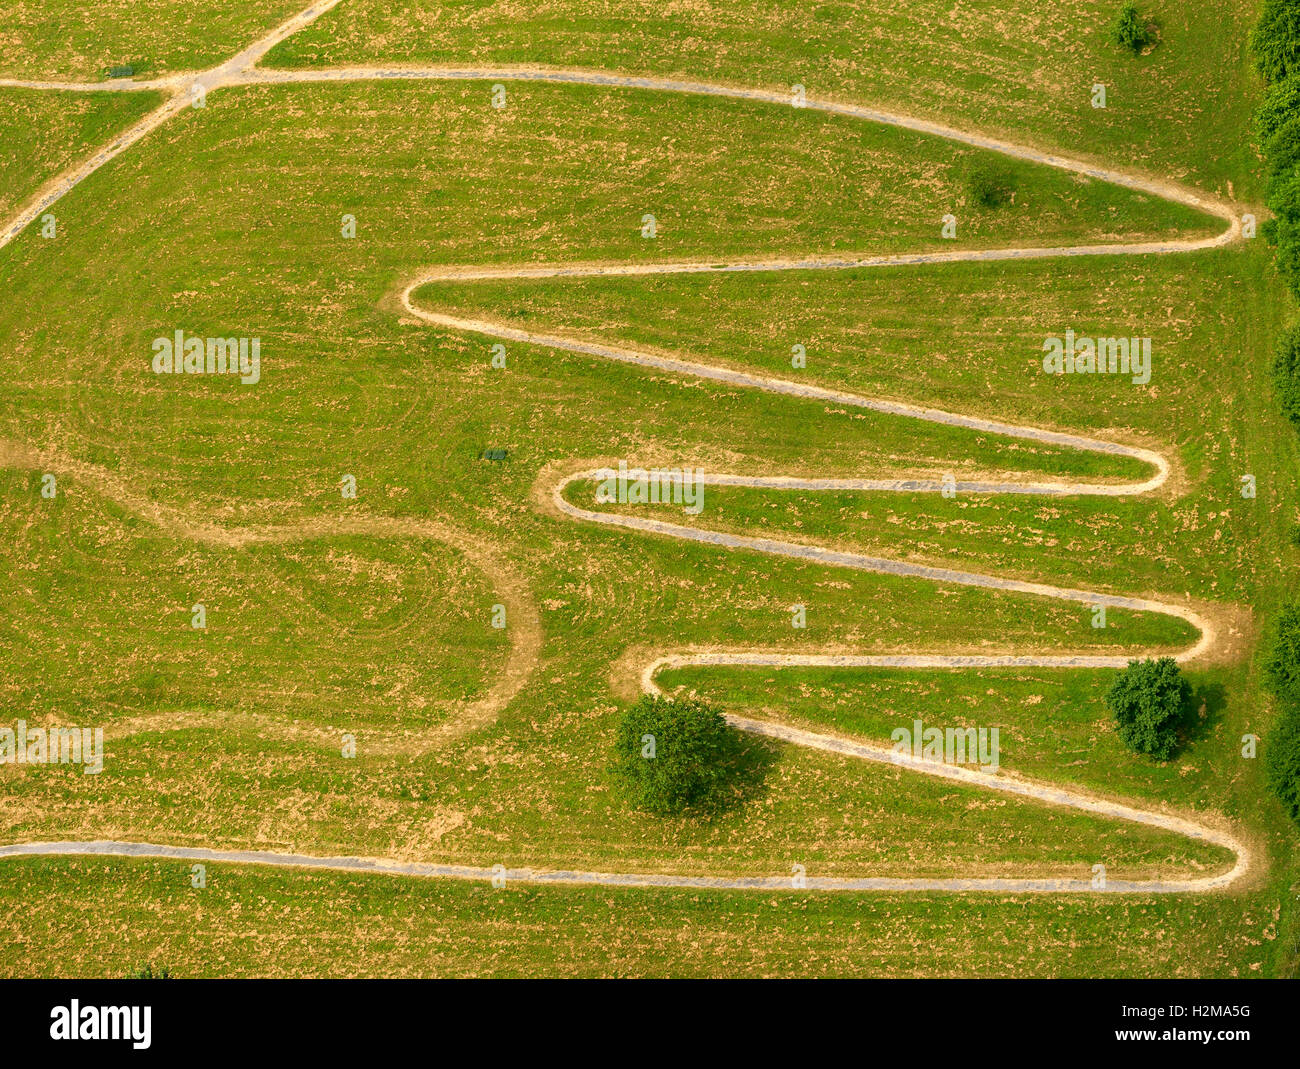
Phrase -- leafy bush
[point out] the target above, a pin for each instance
(1282, 151)
(1131, 30)
(146, 972)
(1282, 760)
(1282, 663)
(1275, 41)
(1282, 672)
(1284, 198)
(1286, 373)
(672, 755)
(1148, 701)
(990, 185)
(1283, 231)
(1280, 105)
(1286, 236)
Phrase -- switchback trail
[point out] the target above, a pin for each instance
(242, 70)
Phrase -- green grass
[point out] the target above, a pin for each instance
(1053, 725)
(104, 916)
(1181, 111)
(228, 223)
(43, 133)
(63, 40)
(270, 611)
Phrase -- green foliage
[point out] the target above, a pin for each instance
(1131, 30)
(990, 185)
(1282, 152)
(1282, 670)
(1282, 760)
(146, 972)
(1275, 41)
(1283, 231)
(1286, 378)
(672, 755)
(1284, 198)
(1148, 700)
(1282, 665)
(1280, 105)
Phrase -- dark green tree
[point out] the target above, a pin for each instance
(1131, 30)
(1286, 381)
(1280, 105)
(1275, 41)
(1282, 760)
(1282, 663)
(1148, 700)
(673, 754)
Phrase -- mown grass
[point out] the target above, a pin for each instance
(63, 40)
(42, 133)
(271, 613)
(1183, 110)
(1053, 725)
(435, 175)
(231, 227)
(104, 916)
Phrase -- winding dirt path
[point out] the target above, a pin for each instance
(524, 632)
(241, 70)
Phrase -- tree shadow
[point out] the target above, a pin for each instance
(1202, 712)
(748, 760)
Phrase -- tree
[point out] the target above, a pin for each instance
(1282, 760)
(1131, 30)
(1286, 380)
(1148, 700)
(1280, 105)
(1275, 41)
(673, 754)
(1282, 153)
(1282, 673)
(1282, 663)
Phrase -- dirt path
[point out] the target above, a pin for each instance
(524, 632)
(241, 70)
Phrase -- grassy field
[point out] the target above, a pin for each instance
(227, 222)
(1183, 110)
(63, 40)
(43, 133)
(118, 914)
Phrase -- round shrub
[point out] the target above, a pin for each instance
(1148, 699)
(673, 754)
(1275, 41)
(1131, 30)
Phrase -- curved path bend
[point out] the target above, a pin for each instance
(242, 70)
(524, 633)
